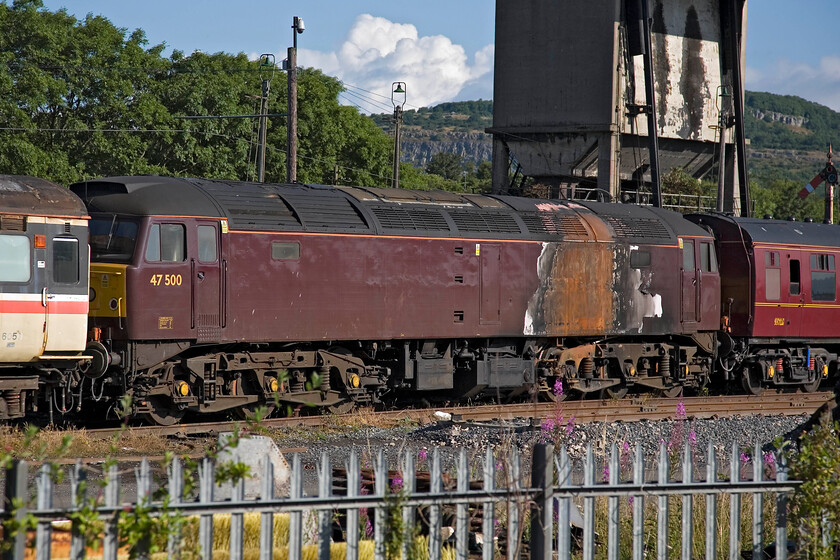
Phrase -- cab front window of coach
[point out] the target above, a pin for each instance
(165, 243)
(15, 258)
(112, 238)
(66, 260)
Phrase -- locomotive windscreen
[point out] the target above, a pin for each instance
(112, 238)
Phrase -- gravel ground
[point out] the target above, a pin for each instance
(449, 437)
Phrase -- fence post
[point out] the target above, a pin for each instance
(267, 517)
(687, 504)
(436, 487)
(488, 528)
(781, 509)
(353, 481)
(176, 497)
(711, 505)
(639, 504)
(206, 482)
(78, 490)
(237, 520)
(564, 532)
(513, 505)
(324, 515)
(380, 475)
(758, 503)
(112, 499)
(734, 505)
(409, 476)
(17, 495)
(542, 480)
(144, 495)
(296, 517)
(613, 506)
(462, 520)
(589, 505)
(43, 538)
(662, 506)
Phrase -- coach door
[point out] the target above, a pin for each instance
(690, 285)
(66, 294)
(207, 282)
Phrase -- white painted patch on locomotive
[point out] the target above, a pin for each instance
(534, 311)
(643, 302)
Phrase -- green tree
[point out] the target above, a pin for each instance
(447, 165)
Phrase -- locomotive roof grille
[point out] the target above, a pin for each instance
(553, 223)
(329, 212)
(400, 218)
(645, 228)
(484, 222)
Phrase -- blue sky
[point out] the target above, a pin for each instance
(443, 50)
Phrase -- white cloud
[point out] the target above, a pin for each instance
(820, 83)
(378, 52)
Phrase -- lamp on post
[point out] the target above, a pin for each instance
(291, 128)
(398, 101)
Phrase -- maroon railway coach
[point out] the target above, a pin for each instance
(43, 295)
(214, 295)
(780, 306)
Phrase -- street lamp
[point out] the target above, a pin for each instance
(291, 128)
(398, 101)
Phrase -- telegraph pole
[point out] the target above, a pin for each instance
(266, 61)
(398, 101)
(291, 128)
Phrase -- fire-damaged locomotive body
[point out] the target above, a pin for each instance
(779, 301)
(43, 295)
(214, 295)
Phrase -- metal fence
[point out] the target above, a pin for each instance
(568, 505)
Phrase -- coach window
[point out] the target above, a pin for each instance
(822, 278)
(207, 244)
(165, 243)
(65, 260)
(15, 258)
(708, 261)
(794, 277)
(772, 276)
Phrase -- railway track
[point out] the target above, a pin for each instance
(583, 411)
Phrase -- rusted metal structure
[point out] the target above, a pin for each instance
(577, 84)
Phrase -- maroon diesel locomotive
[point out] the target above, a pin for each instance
(780, 302)
(219, 295)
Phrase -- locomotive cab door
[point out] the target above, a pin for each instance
(690, 288)
(208, 293)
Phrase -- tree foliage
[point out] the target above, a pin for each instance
(83, 98)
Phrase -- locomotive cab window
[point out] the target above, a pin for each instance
(207, 252)
(15, 258)
(688, 255)
(708, 260)
(772, 276)
(65, 260)
(822, 278)
(165, 243)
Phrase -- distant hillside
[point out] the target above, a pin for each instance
(788, 135)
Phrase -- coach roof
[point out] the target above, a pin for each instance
(20, 194)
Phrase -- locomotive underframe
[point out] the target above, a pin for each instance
(760, 364)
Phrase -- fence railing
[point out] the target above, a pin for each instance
(566, 504)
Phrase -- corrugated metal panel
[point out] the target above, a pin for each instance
(554, 224)
(637, 228)
(417, 219)
(325, 210)
(484, 222)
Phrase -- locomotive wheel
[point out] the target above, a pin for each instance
(617, 391)
(671, 392)
(812, 386)
(162, 412)
(246, 385)
(751, 378)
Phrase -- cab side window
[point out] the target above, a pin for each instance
(166, 243)
(688, 256)
(708, 260)
(15, 258)
(207, 244)
(65, 260)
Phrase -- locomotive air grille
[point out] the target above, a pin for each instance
(394, 217)
(256, 210)
(325, 211)
(646, 228)
(484, 222)
(13, 223)
(552, 223)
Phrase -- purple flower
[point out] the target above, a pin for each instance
(692, 437)
(499, 466)
(745, 458)
(681, 410)
(630, 500)
(558, 387)
(605, 475)
(422, 454)
(570, 426)
(626, 447)
(397, 482)
(368, 528)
